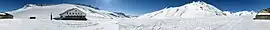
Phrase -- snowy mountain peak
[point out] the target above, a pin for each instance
(190, 10)
(198, 2)
(30, 5)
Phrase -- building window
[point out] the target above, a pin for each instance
(72, 13)
(32, 17)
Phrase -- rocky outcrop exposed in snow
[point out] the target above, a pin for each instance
(44, 11)
(191, 10)
(240, 13)
(227, 13)
(244, 13)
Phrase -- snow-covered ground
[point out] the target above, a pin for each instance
(57, 25)
(211, 23)
(261, 25)
(9, 24)
(193, 16)
(173, 23)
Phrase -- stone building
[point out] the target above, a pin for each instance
(73, 14)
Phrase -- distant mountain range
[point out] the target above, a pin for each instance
(197, 9)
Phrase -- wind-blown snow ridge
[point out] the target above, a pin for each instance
(43, 12)
(191, 10)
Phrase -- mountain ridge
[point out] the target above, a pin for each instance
(190, 10)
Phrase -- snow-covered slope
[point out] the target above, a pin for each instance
(191, 10)
(44, 11)
(244, 13)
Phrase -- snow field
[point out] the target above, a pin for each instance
(57, 25)
(261, 25)
(7, 24)
(209, 23)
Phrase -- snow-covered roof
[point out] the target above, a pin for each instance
(263, 14)
(2, 13)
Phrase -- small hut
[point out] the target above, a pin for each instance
(5, 16)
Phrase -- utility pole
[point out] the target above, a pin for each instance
(51, 16)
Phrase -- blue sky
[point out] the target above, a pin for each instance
(139, 7)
